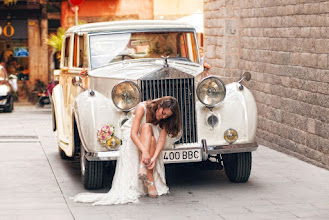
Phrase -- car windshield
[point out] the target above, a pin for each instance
(109, 48)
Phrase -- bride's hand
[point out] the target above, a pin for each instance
(145, 158)
(152, 163)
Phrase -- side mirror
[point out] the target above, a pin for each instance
(77, 81)
(245, 76)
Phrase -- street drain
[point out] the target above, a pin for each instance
(18, 138)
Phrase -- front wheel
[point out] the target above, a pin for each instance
(237, 166)
(92, 172)
(10, 108)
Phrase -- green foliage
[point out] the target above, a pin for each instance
(55, 40)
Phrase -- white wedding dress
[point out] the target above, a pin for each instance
(126, 187)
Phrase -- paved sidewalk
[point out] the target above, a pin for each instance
(36, 184)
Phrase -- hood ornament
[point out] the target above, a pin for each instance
(165, 62)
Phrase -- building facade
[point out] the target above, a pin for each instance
(112, 10)
(24, 27)
(285, 46)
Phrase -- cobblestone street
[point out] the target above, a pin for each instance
(37, 184)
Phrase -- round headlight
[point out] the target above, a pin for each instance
(212, 120)
(211, 91)
(230, 135)
(126, 95)
(4, 89)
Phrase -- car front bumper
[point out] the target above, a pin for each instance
(5, 101)
(204, 152)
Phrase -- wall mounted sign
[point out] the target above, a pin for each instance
(14, 29)
(8, 30)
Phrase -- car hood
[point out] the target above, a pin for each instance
(134, 70)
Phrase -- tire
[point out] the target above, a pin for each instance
(10, 108)
(40, 105)
(92, 172)
(237, 166)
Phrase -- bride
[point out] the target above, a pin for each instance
(140, 169)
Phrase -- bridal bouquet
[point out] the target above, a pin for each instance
(105, 133)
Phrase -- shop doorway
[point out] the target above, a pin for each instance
(15, 55)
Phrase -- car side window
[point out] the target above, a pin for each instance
(67, 52)
(75, 51)
(79, 55)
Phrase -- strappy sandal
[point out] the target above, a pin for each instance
(152, 193)
(142, 174)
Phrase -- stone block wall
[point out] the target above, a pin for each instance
(222, 37)
(285, 46)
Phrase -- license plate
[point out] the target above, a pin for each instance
(182, 156)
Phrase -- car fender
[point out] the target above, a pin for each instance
(92, 110)
(237, 111)
(58, 105)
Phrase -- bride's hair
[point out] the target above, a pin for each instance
(172, 124)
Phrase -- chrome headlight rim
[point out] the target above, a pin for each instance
(198, 87)
(139, 94)
(212, 116)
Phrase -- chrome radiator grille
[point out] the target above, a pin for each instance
(183, 91)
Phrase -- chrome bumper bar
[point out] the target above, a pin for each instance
(222, 149)
(228, 149)
(102, 156)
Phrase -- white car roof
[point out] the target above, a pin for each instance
(134, 25)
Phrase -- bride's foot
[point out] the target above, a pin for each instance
(151, 190)
(142, 174)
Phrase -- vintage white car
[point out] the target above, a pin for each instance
(108, 68)
(6, 92)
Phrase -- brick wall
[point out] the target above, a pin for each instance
(285, 46)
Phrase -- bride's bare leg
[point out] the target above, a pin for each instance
(148, 140)
(150, 171)
(146, 134)
(145, 137)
